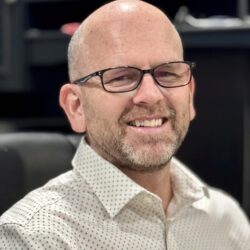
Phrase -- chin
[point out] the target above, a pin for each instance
(148, 168)
(148, 159)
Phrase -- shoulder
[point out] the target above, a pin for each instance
(223, 209)
(223, 204)
(55, 193)
(43, 218)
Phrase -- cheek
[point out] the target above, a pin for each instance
(181, 101)
(103, 107)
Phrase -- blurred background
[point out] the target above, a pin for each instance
(34, 36)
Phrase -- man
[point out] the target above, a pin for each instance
(126, 191)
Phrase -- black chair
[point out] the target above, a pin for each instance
(29, 160)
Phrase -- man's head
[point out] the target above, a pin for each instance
(139, 129)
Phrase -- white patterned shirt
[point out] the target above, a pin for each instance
(96, 206)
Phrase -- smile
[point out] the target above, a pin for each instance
(147, 123)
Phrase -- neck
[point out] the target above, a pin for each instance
(157, 182)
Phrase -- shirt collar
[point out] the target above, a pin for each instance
(188, 189)
(108, 182)
(185, 183)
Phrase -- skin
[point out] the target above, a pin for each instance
(134, 33)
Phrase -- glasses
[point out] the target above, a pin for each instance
(124, 79)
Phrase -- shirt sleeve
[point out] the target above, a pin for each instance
(15, 236)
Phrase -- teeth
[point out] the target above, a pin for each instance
(147, 123)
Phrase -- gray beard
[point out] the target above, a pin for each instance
(124, 155)
(147, 154)
(147, 161)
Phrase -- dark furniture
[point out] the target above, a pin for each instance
(29, 160)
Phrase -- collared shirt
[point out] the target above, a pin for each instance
(96, 206)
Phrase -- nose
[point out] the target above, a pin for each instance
(148, 92)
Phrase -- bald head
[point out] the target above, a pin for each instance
(117, 26)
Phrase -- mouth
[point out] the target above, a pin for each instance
(148, 123)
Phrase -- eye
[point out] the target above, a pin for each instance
(164, 74)
(118, 77)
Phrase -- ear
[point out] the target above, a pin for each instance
(191, 99)
(71, 101)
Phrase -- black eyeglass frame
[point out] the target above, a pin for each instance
(100, 73)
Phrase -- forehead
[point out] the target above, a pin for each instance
(139, 40)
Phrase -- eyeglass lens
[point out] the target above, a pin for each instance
(167, 75)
